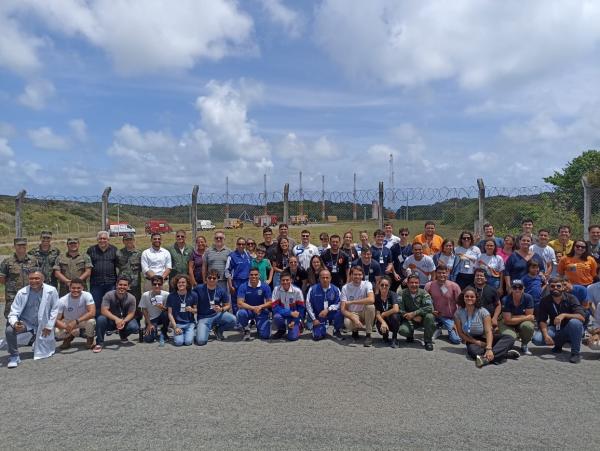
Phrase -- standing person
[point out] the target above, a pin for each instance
(14, 272)
(516, 265)
(560, 320)
(282, 258)
(46, 256)
(444, 294)
(489, 234)
(316, 265)
(284, 233)
(117, 312)
(216, 258)
(288, 309)
(182, 306)
(237, 269)
(593, 297)
(324, 237)
(254, 302)
(419, 264)
(72, 265)
(154, 309)
(447, 257)
(578, 265)
(488, 297)
(431, 243)
(545, 252)
(468, 255)
(507, 250)
(363, 237)
(104, 268)
(416, 309)
(337, 262)
(387, 312)
(475, 329)
(196, 260)
(156, 261)
(268, 243)
(348, 246)
(180, 254)
(492, 264)
(299, 275)
(34, 309)
(323, 306)
(305, 250)
(130, 264)
(382, 254)
(76, 312)
(213, 310)
(594, 242)
(526, 229)
(564, 243)
(400, 252)
(357, 305)
(370, 268)
(251, 247)
(263, 265)
(534, 283)
(518, 315)
(390, 239)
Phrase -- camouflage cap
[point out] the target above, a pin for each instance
(128, 236)
(72, 240)
(46, 234)
(19, 241)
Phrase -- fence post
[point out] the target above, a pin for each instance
(226, 198)
(301, 197)
(481, 197)
(265, 194)
(286, 205)
(105, 195)
(323, 198)
(194, 208)
(18, 210)
(380, 221)
(587, 206)
(354, 212)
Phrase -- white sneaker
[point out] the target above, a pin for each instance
(525, 350)
(13, 361)
(436, 334)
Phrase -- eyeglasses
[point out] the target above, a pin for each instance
(404, 234)
(518, 287)
(241, 244)
(579, 246)
(179, 236)
(211, 278)
(305, 236)
(219, 238)
(156, 284)
(249, 243)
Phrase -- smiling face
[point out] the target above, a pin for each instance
(595, 234)
(470, 298)
(490, 247)
(156, 241)
(201, 243)
(122, 287)
(36, 280)
(579, 248)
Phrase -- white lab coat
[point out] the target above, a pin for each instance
(44, 346)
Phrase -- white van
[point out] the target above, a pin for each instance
(204, 224)
(120, 229)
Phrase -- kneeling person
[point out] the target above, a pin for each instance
(154, 308)
(76, 312)
(288, 308)
(254, 300)
(323, 306)
(357, 301)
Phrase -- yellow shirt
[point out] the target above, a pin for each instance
(559, 247)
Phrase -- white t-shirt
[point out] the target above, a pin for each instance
(389, 242)
(156, 261)
(494, 262)
(351, 292)
(304, 254)
(420, 267)
(469, 258)
(72, 308)
(149, 301)
(546, 253)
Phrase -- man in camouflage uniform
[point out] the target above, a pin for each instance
(14, 272)
(180, 254)
(46, 256)
(72, 265)
(130, 264)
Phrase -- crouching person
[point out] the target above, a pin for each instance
(76, 313)
(288, 308)
(182, 305)
(323, 306)
(213, 309)
(117, 312)
(254, 301)
(154, 308)
(34, 309)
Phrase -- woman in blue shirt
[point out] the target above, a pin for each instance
(182, 308)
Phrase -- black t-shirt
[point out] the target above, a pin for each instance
(299, 277)
(383, 305)
(337, 264)
(550, 310)
(489, 298)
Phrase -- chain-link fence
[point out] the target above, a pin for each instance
(454, 209)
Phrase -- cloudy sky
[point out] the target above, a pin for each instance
(153, 96)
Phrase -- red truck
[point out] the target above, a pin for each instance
(157, 226)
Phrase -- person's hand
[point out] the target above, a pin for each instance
(178, 331)
(489, 355)
(295, 314)
(548, 340)
(357, 322)
(409, 316)
(69, 326)
(323, 313)
(494, 323)
(397, 277)
(291, 325)
(316, 323)
(232, 290)
(480, 343)
(257, 309)
(531, 317)
(384, 328)
(217, 308)
(46, 331)
(19, 327)
(558, 319)
(120, 324)
(149, 329)
(436, 313)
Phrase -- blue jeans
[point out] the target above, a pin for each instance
(282, 322)
(98, 292)
(448, 324)
(571, 332)
(263, 324)
(236, 284)
(335, 317)
(103, 324)
(161, 321)
(186, 337)
(222, 321)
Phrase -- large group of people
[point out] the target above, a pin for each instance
(486, 292)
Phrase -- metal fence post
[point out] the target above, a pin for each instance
(226, 198)
(105, 195)
(380, 219)
(481, 197)
(323, 198)
(18, 210)
(286, 203)
(194, 209)
(354, 208)
(587, 206)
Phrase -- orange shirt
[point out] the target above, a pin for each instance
(578, 272)
(429, 247)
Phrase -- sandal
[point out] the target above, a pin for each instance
(97, 349)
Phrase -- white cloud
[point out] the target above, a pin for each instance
(5, 150)
(313, 158)
(18, 49)
(292, 21)
(78, 129)
(45, 138)
(152, 35)
(36, 94)
(475, 43)
(6, 130)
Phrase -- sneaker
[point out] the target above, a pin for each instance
(512, 354)
(278, 335)
(429, 346)
(13, 361)
(480, 362)
(436, 334)
(124, 340)
(556, 350)
(410, 339)
(338, 335)
(394, 344)
(368, 341)
(219, 335)
(386, 338)
(525, 350)
(247, 336)
(354, 338)
(96, 349)
(575, 358)
(66, 344)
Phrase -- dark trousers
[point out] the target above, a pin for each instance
(98, 292)
(393, 322)
(103, 324)
(500, 346)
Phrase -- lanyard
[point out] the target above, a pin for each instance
(210, 301)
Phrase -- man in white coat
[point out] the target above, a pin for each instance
(34, 309)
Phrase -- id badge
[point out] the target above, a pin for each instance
(467, 265)
(182, 308)
(444, 290)
(381, 259)
(334, 269)
(325, 305)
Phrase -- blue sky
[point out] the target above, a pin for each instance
(151, 96)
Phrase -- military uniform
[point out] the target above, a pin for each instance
(179, 259)
(16, 276)
(46, 261)
(130, 265)
(72, 267)
(422, 305)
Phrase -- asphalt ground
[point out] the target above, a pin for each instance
(302, 395)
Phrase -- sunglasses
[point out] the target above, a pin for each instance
(579, 246)
(241, 244)
(219, 238)
(404, 234)
(179, 236)
(156, 284)
(211, 278)
(517, 287)
(251, 243)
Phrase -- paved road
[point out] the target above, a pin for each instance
(303, 395)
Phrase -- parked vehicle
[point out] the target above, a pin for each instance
(157, 226)
(120, 229)
(299, 219)
(232, 223)
(265, 220)
(204, 224)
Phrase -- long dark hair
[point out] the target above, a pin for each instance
(461, 297)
